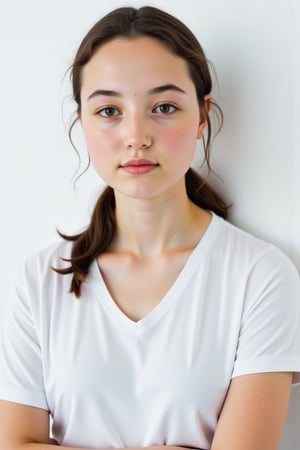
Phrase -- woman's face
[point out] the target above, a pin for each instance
(140, 116)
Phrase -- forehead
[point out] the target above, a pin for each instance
(134, 60)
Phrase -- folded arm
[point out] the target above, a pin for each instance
(27, 428)
(254, 412)
(252, 417)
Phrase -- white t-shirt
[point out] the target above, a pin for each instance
(111, 382)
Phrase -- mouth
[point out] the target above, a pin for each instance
(139, 166)
(139, 162)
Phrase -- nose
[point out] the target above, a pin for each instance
(137, 133)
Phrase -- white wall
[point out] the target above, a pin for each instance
(255, 48)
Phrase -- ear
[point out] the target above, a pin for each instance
(203, 115)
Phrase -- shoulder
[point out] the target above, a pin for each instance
(242, 249)
(269, 279)
(257, 268)
(53, 255)
(36, 270)
(267, 284)
(36, 288)
(237, 239)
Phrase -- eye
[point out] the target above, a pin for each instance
(165, 108)
(109, 111)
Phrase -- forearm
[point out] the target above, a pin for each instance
(52, 446)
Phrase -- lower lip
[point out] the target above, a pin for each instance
(139, 170)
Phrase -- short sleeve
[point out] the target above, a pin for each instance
(269, 339)
(21, 374)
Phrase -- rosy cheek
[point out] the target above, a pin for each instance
(98, 141)
(176, 138)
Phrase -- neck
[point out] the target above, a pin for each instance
(148, 228)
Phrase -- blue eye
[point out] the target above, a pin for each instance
(165, 108)
(109, 111)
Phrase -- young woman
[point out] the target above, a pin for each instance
(161, 324)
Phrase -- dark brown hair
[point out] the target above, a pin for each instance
(132, 22)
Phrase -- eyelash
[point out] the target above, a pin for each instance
(163, 105)
(108, 116)
(115, 112)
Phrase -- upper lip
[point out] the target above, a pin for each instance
(139, 162)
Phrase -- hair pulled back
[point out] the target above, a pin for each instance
(131, 22)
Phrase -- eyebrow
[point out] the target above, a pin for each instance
(156, 90)
(166, 87)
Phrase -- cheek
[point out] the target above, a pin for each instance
(99, 149)
(99, 144)
(181, 140)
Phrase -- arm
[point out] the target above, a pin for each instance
(27, 428)
(22, 426)
(252, 417)
(254, 412)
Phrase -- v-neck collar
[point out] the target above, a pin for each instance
(137, 328)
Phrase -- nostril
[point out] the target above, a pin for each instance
(139, 144)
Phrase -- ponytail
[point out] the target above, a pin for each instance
(92, 242)
(203, 195)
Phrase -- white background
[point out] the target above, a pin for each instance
(255, 48)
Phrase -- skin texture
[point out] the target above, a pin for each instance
(162, 127)
(133, 120)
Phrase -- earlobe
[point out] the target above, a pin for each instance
(207, 102)
(203, 116)
(201, 128)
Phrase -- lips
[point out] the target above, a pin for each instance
(139, 162)
(139, 166)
